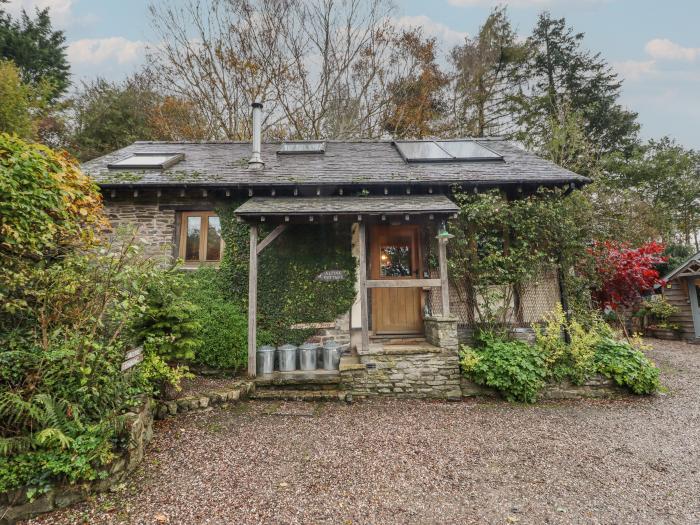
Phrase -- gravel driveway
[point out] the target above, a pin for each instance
(634, 460)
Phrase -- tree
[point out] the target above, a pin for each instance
(109, 116)
(318, 66)
(18, 101)
(625, 273)
(38, 50)
(416, 100)
(561, 74)
(488, 74)
(666, 176)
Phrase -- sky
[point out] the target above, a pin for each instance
(653, 44)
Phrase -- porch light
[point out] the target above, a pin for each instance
(443, 233)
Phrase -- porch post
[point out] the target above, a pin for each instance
(364, 315)
(252, 299)
(444, 291)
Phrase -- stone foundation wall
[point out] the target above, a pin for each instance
(414, 373)
(14, 505)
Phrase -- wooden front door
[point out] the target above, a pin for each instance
(394, 255)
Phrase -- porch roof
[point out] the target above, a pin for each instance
(689, 268)
(368, 205)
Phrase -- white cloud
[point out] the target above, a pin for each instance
(665, 49)
(59, 10)
(450, 37)
(521, 3)
(99, 50)
(635, 69)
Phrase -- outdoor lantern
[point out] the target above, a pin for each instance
(443, 233)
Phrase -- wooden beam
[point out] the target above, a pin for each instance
(270, 237)
(444, 289)
(364, 307)
(252, 299)
(404, 283)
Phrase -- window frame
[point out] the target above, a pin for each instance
(203, 237)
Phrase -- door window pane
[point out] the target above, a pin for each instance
(395, 260)
(214, 239)
(194, 227)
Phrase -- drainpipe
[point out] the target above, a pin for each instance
(256, 162)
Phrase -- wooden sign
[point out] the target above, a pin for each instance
(329, 276)
(133, 357)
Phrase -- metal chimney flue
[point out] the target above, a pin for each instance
(256, 162)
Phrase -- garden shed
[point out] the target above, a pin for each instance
(682, 290)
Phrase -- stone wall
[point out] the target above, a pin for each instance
(14, 505)
(442, 332)
(155, 226)
(205, 400)
(405, 372)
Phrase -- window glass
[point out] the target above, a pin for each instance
(214, 239)
(395, 260)
(194, 227)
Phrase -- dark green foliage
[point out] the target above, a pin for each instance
(565, 77)
(38, 50)
(109, 116)
(519, 370)
(628, 366)
(664, 175)
(287, 290)
(676, 254)
(514, 368)
(223, 322)
(169, 322)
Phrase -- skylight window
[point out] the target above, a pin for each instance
(296, 148)
(160, 161)
(444, 151)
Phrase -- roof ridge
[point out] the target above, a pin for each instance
(332, 141)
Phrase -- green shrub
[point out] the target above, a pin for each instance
(574, 360)
(627, 366)
(169, 322)
(516, 369)
(223, 323)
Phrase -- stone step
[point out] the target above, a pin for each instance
(299, 395)
(316, 380)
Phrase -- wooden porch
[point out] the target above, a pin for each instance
(364, 215)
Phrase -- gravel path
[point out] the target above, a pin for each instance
(633, 460)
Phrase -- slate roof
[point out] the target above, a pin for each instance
(397, 204)
(225, 164)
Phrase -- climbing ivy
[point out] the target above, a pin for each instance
(288, 292)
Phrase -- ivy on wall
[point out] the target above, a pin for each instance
(288, 292)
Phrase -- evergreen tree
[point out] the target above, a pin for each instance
(488, 72)
(38, 50)
(562, 73)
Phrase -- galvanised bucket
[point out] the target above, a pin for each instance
(287, 358)
(307, 356)
(331, 355)
(265, 360)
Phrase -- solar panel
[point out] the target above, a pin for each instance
(291, 148)
(444, 151)
(467, 150)
(148, 160)
(424, 151)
